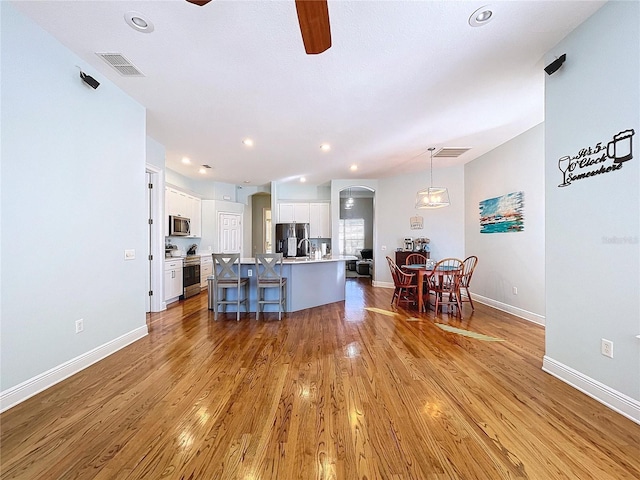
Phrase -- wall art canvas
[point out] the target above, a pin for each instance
(502, 214)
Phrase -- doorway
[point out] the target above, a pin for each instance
(356, 229)
(268, 238)
(154, 193)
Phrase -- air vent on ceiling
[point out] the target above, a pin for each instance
(206, 166)
(123, 66)
(450, 152)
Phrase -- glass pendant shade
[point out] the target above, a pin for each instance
(348, 204)
(432, 197)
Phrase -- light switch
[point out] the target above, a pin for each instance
(129, 254)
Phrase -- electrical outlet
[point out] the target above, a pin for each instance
(79, 325)
(250, 272)
(383, 248)
(606, 348)
(129, 254)
(515, 290)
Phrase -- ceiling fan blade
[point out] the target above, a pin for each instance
(313, 16)
(199, 2)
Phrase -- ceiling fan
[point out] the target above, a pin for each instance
(313, 17)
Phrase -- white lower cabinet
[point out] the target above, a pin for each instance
(206, 269)
(172, 279)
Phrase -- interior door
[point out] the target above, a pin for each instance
(230, 232)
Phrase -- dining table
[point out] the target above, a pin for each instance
(422, 270)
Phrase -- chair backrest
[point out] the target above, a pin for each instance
(415, 259)
(469, 265)
(266, 266)
(400, 278)
(447, 272)
(223, 266)
(392, 268)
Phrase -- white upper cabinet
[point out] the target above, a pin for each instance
(319, 220)
(196, 217)
(317, 215)
(293, 212)
(177, 202)
(181, 204)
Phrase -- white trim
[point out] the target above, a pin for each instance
(157, 242)
(518, 312)
(19, 393)
(613, 399)
(376, 283)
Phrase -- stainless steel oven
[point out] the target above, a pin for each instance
(191, 275)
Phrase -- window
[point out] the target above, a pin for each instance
(351, 236)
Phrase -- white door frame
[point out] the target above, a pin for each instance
(156, 196)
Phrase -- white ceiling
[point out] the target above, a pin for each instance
(400, 76)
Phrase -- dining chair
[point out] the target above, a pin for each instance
(227, 276)
(469, 265)
(415, 259)
(269, 276)
(444, 283)
(406, 289)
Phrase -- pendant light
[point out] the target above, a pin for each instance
(348, 205)
(432, 197)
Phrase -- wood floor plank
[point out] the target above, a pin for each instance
(334, 392)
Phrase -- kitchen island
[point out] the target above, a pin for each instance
(310, 282)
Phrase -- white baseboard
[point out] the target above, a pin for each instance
(613, 399)
(382, 284)
(19, 393)
(518, 312)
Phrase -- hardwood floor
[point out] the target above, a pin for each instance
(336, 392)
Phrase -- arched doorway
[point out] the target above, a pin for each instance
(356, 229)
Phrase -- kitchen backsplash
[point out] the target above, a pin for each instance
(184, 243)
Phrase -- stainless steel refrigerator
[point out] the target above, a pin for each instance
(289, 238)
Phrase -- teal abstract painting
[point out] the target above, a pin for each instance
(502, 214)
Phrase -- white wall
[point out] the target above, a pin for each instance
(593, 225)
(507, 260)
(73, 199)
(395, 205)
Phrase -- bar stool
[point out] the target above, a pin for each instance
(227, 278)
(269, 277)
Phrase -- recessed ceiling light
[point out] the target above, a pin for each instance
(186, 160)
(202, 170)
(303, 179)
(137, 21)
(248, 142)
(325, 147)
(481, 16)
(247, 181)
(353, 168)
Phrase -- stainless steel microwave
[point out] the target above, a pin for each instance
(179, 226)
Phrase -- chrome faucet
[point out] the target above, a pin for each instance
(308, 245)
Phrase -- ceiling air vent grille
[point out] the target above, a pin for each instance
(450, 152)
(123, 66)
